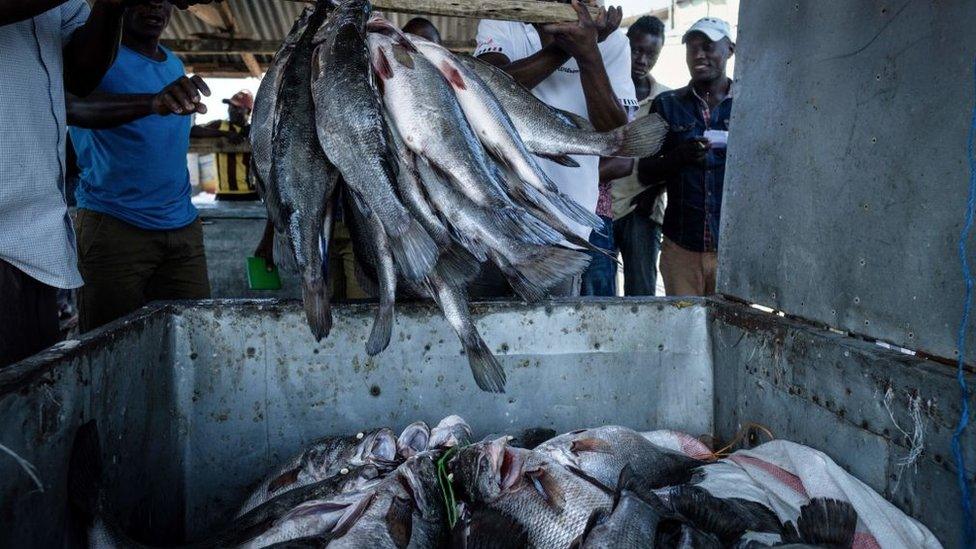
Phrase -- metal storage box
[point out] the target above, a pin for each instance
(196, 401)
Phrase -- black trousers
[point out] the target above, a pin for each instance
(28, 315)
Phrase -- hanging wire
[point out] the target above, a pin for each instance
(969, 530)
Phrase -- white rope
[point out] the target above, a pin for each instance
(916, 440)
(26, 466)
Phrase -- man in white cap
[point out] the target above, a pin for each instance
(692, 160)
(582, 67)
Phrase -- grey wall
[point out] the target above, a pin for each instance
(846, 186)
(828, 391)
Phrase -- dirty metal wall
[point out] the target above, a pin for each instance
(231, 232)
(829, 391)
(121, 377)
(847, 175)
(196, 402)
(253, 385)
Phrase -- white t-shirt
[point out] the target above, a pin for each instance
(564, 90)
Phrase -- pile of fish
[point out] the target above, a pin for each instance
(433, 162)
(606, 487)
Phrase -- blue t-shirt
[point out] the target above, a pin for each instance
(137, 172)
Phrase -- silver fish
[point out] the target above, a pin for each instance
(449, 432)
(429, 120)
(369, 223)
(323, 459)
(633, 521)
(301, 180)
(494, 128)
(266, 100)
(354, 135)
(600, 455)
(326, 519)
(413, 440)
(553, 134)
(550, 503)
(531, 269)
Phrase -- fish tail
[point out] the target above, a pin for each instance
(541, 268)
(487, 371)
(284, 255)
(458, 264)
(575, 212)
(318, 310)
(380, 334)
(415, 252)
(639, 485)
(640, 138)
(525, 227)
(828, 522)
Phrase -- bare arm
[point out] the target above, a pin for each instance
(211, 129)
(581, 40)
(603, 108)
(532, 70)
(105, 110)
(92, 48)
(615, 168)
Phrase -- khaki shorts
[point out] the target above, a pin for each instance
(686, 272)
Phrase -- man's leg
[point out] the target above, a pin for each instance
(681, 269)
(28, 315)
(182, 272)
(116, 261)
(657, 234)
(599, 278)
(639, 250)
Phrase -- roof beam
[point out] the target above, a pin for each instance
(237, 46)
(529, 11)
(251, 62)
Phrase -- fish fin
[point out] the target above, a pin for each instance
(589, 478)
(541, 268)
(414, 251)
(829, 522)
(285, 479)
(284, 255)
(548, 488)
(487, 371)
(319, 541)
(458, 264)
(638, 485)
(709, 513)
(574, 211)
(379, 336)
(598, 516)
(592, 444)
(561, 159)
(85, 482)
(524, 226)
(473, 246)
(318, 310)
(642, 137)
(574, 119)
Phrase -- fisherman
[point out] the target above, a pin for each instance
(423, 28)
(582, 67)
(638, 210)
(692, 160)
(233, 181)
(48, 46)
(139, 237)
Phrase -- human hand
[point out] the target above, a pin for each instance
(691, 152)
(182, 97)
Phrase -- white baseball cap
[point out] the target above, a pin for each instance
(712, 27)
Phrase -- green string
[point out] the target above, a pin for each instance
(447, 491)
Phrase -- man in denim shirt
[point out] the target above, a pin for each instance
(692, 160)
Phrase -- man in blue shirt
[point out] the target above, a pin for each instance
(139, 237)
(692, 160)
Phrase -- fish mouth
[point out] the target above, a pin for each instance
(381, 448)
